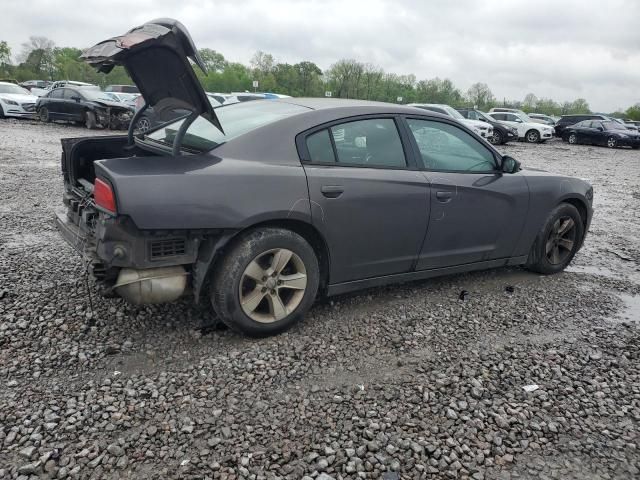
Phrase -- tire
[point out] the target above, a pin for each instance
(550, 252)
(573, 139)
(245, 291)
(532, 136)
(143, 124)
(1, 112)
(43, 113)
(496, 138)
(612, 142)
(90, 120)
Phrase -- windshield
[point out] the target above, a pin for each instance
(15, 89)
(613, 126)
(485, 116)
(235, 119)
(453, 112)
(98, 96)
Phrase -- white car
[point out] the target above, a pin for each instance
(483, 129)
(63, 83)
(528, 130)
(16, 101)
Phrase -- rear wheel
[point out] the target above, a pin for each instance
(496, 138)
(573, 138)
(90, 120)
(266, 282)
(558, 241)
(143, 124)
(532, 136)
(612, 142)
(43, 113)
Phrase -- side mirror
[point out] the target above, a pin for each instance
(510, 164)
(600, 129)
(76, 98)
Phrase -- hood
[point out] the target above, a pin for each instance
(17, 97)
(156, 55)
(476, 123)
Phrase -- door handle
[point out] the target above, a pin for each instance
(332, 191)
(444, 197)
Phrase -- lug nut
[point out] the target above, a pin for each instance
(264, 289)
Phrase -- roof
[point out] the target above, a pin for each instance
(344, 103)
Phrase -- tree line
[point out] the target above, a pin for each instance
(41, 59)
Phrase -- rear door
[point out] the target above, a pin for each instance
(477, 212)
(369, 202)
(55, 103)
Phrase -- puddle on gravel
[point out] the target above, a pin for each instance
(604, 272)
(630, 312)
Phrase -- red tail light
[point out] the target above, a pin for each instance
(103, 196)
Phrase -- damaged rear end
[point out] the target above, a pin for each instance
(143, 266)
(149, 265)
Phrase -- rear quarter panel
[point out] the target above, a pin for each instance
(205, 191)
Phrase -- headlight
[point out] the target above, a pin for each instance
(513, 130)
(10, 102)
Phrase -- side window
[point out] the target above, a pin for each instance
(374, 142)
(510, 117)
(320, 148)
(69, 94)
(445, 147)
(57, 93)
(499, 116)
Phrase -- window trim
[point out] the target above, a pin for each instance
(416, 149)
(405, 141)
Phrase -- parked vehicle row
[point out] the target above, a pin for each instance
(501, 133)
(16, 101)
(483, 129)
(602, 132)
(527, 129)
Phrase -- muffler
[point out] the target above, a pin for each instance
(151, 285)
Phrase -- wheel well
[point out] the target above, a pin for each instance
(582, 210)
(305, 230)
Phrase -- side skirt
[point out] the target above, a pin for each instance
(345, 287)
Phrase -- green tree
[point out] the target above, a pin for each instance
(309, 82)
(5, 58)
(213, 61)
(633, 112)
(579, 105)
(437, 90)
(480, 95)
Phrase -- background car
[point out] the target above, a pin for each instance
(568, 120)
(529, 131)
(29, 84)
(542, 118)
(149, 119)
(501, 133)
(483, 129)
(16, 101)
(122, 88)
(128, 99)
(601, 132)
(62, 83)
(628, 126)
(88, 106)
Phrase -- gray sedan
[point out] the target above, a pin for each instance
(259, 207)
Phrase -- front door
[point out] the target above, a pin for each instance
(369, 205)
(477, 212)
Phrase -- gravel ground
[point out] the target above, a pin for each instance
(401, 382)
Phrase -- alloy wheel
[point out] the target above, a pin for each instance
(44, 114)
(573, 139)
(611, 142)
(496, 138)
(273, 285)
(143, 124)
(561, 240)
(533, 137)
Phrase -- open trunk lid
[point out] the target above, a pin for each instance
(156, 56)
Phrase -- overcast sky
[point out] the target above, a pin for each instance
(561, 49)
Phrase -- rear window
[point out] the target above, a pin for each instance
(236, 119)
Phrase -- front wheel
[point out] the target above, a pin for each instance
(266, 282)
(90, 120)
(1, 112)
(532, 136)
(558, 241)
(496, 138)
(43, 113)
(573, 138)
(612, 142)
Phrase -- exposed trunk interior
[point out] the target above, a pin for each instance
(79, 155)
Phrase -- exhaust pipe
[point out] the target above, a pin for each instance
(151, 285)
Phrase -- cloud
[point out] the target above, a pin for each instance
(561, 50)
